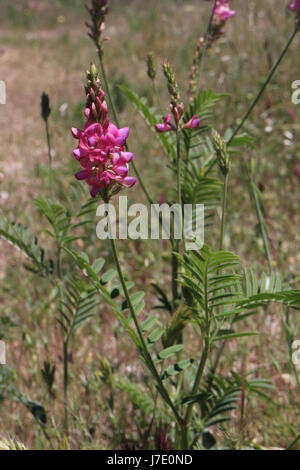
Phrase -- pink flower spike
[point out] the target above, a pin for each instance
(193, 123)
(101, 149)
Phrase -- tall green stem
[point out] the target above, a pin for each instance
(176, 242)
(65, 341)
(174, 277)
(197, 381)
(204, 356)
(224, 204)
(179, 192)
(146, 353)
(106, 85)
(48, 144)
(49, 156)
(261, 223)
(269, 78)
(206, 40)
(65, 361)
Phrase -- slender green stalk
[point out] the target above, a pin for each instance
(48, 144)
(263, 232)
(259, 95)
(106, 85)
(291, 445)
(174, 278)
(203, 360)
(268, 79)
(47, 437)
(261, 223)
(224, 205)
(206, 40)
(65, 362)
(65, 342)
(49, 157)
(197, 381)
(146, 353)
(199, 374)
(176, 242)
(179, 192)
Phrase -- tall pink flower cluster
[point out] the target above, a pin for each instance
(101, 146)
(295, 6)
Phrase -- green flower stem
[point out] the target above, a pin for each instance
(269, 78)
(65, 342)
(203, 360)
(224, 205)
(65, 362)
(48, 144)
(115, 117)
(291, 445)
(179, 192)
(261, 223)
(49, 156)
(146, 353)
(174, 278)
(176, 242)
(206, 40)
(197, 381)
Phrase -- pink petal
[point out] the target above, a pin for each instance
(77, 133)
(112, 129)
(94, 129)
(82, 175)
(122, 170)
(94, 191)
(127, 156)
(80, 152)
(129, 181)
(123, 135)
(161, 128)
